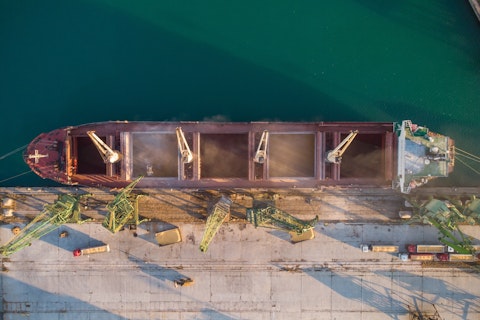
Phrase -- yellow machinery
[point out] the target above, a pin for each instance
(123, 209)
(218, 214)
(64, 210)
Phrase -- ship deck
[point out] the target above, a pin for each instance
(223, 154)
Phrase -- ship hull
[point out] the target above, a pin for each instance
(222, 155)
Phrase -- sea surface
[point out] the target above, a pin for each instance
(72, 62)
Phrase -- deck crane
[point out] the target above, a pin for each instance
(108, 154)
(64, 210)
(271, 217)
(123, 209)
(261, 153)
(218, 214)
(335, 155)
(183, 148)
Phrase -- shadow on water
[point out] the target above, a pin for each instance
(76, 63)
(443, 21)
(20, 298)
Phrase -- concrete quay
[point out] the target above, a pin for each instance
(247, 273)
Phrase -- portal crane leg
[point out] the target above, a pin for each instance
(123, 209)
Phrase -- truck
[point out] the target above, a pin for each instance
(87, 251)
(456, 257)
(428, 248)
(443, 257)
(417, 256)
(378, 248)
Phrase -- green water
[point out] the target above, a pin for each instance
(366, 60)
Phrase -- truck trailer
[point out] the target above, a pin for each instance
(87, 251)
(428, 248)
(378, 248)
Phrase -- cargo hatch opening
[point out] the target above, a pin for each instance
(89, 161)
(224, 155)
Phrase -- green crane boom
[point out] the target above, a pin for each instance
(219, 213)
(63, 210)
(123, 209)
(271, 217)
(446, 217)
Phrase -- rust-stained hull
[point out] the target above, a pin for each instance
(223, 155)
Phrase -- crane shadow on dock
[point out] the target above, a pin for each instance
(156, 271)
(214, 314)
(50, 303)
(361, 291)
(460, 301)
(72, 240)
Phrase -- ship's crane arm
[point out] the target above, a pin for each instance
(183, 147)
(261, 153)
(108, 154)
(335, 155)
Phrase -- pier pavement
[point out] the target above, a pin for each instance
(247, 272)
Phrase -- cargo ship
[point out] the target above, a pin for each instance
(188, 154)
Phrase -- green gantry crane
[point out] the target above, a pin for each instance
(123, 209)
(64, 210)
(218, 214)
(446, 215)
(271, 217)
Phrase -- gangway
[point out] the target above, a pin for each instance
(335, 155)
(218, 214)
(123, 209)
(108, 154)
(271, 217)
(64, 210)
(261, 153)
